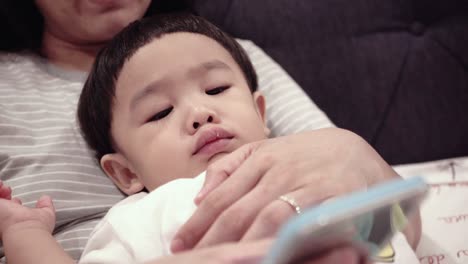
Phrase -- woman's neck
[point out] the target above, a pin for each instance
(68, 55)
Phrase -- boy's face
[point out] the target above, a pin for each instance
(181, 102)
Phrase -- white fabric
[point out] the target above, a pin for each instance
(42, 151)
(141, 227)
(444, 213)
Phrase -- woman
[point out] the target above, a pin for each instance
(42, 151)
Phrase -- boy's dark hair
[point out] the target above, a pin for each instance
(96, 100)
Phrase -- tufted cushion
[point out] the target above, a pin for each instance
(394, 71)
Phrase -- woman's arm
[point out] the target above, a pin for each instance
(41, 247)
(252, 252)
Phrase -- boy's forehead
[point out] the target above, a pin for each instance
(179, 44)
(183, 47)
(174, 55)
(162, 84)
(174, 52)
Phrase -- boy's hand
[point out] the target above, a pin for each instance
(5, 191)
(14, 215)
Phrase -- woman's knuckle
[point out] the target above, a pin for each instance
(214, 201)
(273, 216)
(266, 160)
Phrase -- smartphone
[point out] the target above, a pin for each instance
(367, 219)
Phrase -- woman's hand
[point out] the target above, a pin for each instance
(240, 198)
(252, 252)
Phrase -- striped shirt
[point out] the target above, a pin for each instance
(43, 152)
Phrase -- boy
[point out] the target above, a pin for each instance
(157, 110)
(171, 110)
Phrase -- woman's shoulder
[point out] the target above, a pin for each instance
(8, 59)
(20, 66)
(28, 67)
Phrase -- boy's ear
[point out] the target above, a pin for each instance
(117, 168)
(260, 104)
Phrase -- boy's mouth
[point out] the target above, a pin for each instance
(212, 141)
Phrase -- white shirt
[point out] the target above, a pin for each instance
(141, 227)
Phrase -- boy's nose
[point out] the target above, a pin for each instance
(200, 116)
(197, 124)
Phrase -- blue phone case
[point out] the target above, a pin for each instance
(367, 218)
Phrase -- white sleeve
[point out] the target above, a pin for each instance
(105, 246)
(289, 108)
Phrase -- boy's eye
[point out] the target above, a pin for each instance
(217, 90)
(161, 115)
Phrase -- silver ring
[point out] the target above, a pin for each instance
(291, 202)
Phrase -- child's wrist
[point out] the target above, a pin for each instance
(24, 228)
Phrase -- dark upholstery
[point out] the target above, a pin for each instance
(393, 71)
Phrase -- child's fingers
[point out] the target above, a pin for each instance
(45, 202)
(5, 191)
